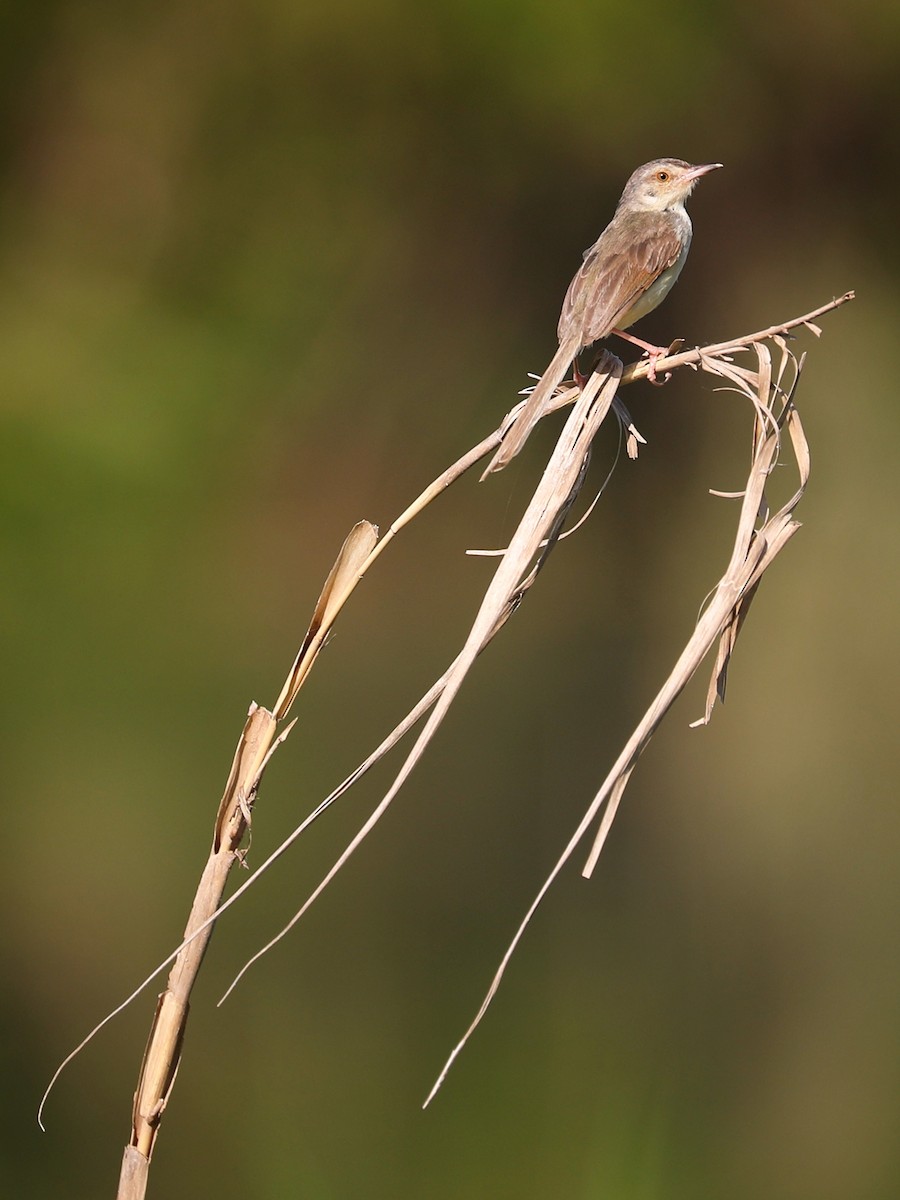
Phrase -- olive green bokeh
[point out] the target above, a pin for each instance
(264, 270)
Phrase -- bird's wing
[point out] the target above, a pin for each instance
(610, 282)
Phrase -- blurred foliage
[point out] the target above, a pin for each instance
(264, 270)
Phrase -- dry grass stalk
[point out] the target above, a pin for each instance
(760, 536)
(755, 547)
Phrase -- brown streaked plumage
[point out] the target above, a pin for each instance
(625, 275)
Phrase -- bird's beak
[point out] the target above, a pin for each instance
(696, 172)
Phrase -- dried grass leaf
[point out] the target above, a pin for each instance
(759, 537)
(343, 577)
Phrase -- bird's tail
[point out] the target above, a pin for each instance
(518, 432)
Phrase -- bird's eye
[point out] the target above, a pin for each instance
(662, 176)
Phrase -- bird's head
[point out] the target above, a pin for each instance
(663, 183)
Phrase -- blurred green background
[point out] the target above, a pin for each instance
(265, 269)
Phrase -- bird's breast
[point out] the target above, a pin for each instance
(654, 295)
(658, 290)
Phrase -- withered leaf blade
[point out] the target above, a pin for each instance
(252, 748)
(342, 578)
(759, 536)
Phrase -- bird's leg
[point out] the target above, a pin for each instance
(651, 351)
(582, 377)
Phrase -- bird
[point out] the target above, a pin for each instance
(627, 272)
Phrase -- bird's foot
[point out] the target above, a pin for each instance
(655, 352)
(652, 356)
(652, 353)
